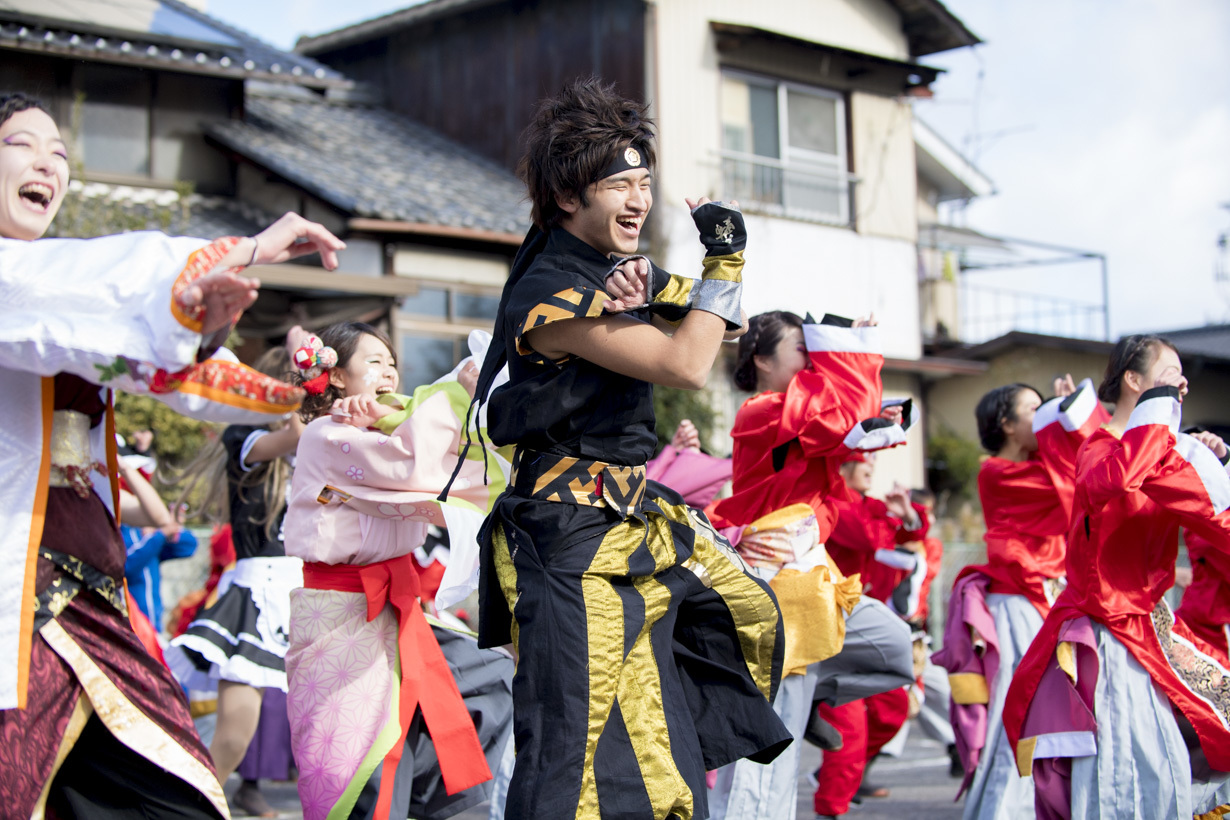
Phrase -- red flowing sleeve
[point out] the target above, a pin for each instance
(765, 478)
(1175, 470)
(1061, 426)
(833, 407)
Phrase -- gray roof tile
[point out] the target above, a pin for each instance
(371, 162)
(207, 217)
(1212, 341)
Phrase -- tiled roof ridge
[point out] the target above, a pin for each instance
(250, 57)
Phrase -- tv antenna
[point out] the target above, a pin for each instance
(1221, 263)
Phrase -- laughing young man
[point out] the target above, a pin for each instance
(647, 653)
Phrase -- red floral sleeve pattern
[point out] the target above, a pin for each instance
(237, 385)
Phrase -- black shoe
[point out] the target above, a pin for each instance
(249, 800)
(820, 732)
(955, 767)
(871, 790)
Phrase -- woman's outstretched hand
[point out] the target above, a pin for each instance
(869, 320)
(1213, 441)
(293, 236)
(225, 294)
(1064, 385)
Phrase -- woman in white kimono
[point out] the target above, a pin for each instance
(90, 724)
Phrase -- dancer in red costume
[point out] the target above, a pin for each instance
(1114, 709)
(864, 543)
(1205, 607)
(819, 400)
(1026, 489)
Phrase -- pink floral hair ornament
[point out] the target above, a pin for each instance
(311, 356)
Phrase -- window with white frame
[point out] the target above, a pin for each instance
(784, 147)
(433, 325)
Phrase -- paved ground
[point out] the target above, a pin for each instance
(921, 787)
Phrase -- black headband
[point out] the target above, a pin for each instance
(631, 156)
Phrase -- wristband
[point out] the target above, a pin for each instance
(255, 248)
(720, 297)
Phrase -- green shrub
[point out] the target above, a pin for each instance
(672, 405)
(952, 464)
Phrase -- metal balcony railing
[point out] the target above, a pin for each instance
(987, 312)
(800, 191)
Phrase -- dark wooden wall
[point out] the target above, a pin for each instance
(477, 76)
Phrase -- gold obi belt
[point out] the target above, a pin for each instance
(813, 594)
(71, 462)
(578, 481)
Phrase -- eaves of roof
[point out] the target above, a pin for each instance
(931, 28)
(912, 74)
(385, 24)
(954, 176)
(1017, 339)
(1208, 342)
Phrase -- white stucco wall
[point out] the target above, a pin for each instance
(804, 267)
(886, 198)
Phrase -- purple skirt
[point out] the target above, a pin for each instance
(269, 755)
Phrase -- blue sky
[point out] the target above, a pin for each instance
(1105, 125)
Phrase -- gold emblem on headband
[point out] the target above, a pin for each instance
(632, 156)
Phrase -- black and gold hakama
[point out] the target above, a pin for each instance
(648, 654)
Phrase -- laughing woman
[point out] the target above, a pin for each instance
(92, 725)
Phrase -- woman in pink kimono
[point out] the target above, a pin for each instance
(370, 675)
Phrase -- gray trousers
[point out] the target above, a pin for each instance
(877, 656)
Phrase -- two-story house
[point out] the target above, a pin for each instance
(799, 109)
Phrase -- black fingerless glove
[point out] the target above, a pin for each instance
(721, 227)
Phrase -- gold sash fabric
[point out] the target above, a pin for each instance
(813, 602)
(71, 462)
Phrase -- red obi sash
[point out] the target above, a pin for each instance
(426, 681)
